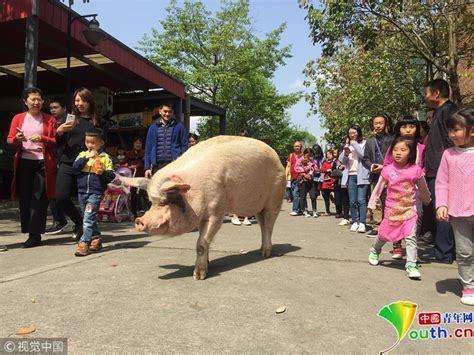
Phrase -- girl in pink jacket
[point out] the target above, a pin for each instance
(454, 195)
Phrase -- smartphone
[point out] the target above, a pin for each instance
(70, 118)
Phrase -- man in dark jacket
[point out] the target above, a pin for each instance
(166, 140)
(437, 98)
(374, 155)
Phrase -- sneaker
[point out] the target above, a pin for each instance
(235, 221)
(33, 240)
(294, 213)
(361, 228)
(372, 234)
(306, 214)
(370, 220)
(315, 214)
(82, 249)
(246, 222)
(77, 233)
(467, 297)
(96, 245)
(3, 248)
(354, 227)
(373, 258)
(397, 253)
(56, 228)
(344, 222)
(413, 273)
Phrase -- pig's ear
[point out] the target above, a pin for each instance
(169, 186)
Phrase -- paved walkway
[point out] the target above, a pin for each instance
(138, 295)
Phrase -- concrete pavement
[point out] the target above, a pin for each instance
(138, 295)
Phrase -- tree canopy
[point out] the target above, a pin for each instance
(353, 85)
(439, 32)
(223, 62)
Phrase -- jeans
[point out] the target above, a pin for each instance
(295, 193)
(89, 205)
(357, 200)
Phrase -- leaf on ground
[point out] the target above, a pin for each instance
(25, 331)
(281, 309)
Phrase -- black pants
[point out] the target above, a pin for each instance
(327, 197)
(337, 196)
(345, 203)
(444, 246)
(58, 215)
(66, 187)
(31, 192)
(159, 165)
(308, 186)
(137, 200)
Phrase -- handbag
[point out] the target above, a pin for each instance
(336, 174)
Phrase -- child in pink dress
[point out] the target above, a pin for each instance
(409, 127)
(454, 195)
(402, 178)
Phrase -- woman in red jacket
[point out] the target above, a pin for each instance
(32, 134)
(328, 182)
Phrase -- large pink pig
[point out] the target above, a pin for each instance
(224, 174)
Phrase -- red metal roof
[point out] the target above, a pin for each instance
(129, 70)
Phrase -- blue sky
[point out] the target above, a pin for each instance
(129, 20)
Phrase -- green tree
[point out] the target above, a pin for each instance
(223, 62)
(354, 84)
(440, 32)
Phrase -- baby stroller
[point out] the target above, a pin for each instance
(115, 204)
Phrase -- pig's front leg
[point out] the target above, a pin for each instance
(207, 230)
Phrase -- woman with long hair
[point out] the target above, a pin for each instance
(70, 141)
(358, 181)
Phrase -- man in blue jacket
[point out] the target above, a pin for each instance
(166, 140)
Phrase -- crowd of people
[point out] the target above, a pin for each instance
(421, 175)
(59, 156)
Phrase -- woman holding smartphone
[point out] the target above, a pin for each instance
(70, 141)
(33, 136)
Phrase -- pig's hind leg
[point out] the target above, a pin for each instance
(207, 231)
(266, 220)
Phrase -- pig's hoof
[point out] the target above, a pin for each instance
(199, 274)
(266, 251)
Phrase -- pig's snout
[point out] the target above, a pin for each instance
(140, 224)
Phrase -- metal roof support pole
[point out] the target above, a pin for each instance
(187, 112)
(222, 124)
(31, 46)
(179, 109)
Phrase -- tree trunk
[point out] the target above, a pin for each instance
(455, 89)
(453, 58)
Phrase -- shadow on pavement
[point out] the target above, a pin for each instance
(106, 238)
(227, 263)
(449, 285)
